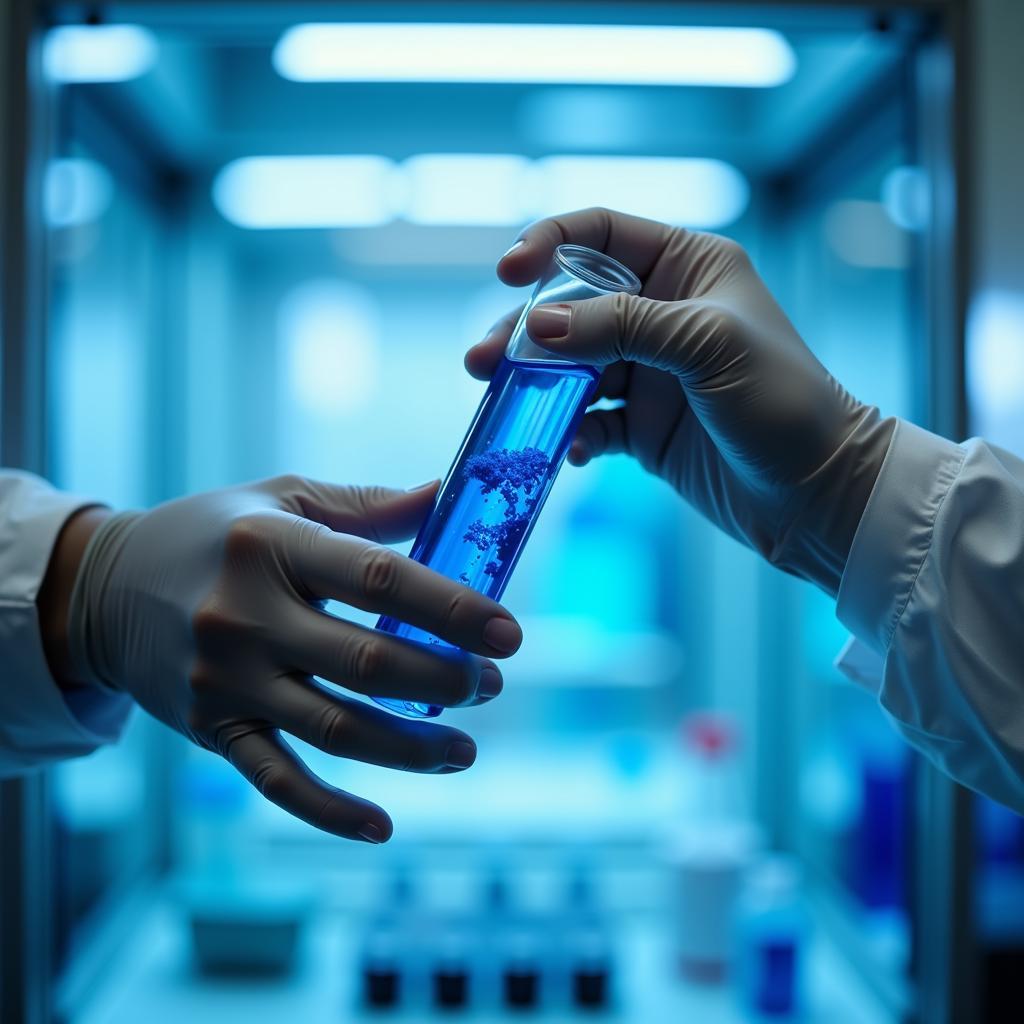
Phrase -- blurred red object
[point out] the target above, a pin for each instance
(710, 734)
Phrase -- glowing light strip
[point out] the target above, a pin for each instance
(307, 191)
(604, 54)
(475, 189)
(98, 53)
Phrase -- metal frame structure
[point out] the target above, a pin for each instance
(945, 954)
(25, 918)
(96, 936)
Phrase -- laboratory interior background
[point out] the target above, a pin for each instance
(236, 243)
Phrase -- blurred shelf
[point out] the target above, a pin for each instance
(153, 982)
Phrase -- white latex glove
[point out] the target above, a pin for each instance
(719, 395)
(208, 612)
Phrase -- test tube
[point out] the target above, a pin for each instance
(515, 446)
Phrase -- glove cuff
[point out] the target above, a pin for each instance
(816, 543)
(92, 640)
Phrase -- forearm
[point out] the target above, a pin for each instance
(54, 599)
(935, 584)
(43, 532)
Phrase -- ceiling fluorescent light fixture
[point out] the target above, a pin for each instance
(549, 54)
(473, 189)
(995, 355)
(98, 53)
(465, 189)
(307, 191)
(690, 191)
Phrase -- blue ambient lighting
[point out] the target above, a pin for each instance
(570, 54)
(76, 191)
(906, 196)
(306, 191)
(466, 188)
(995, 352)
(329, 336)
(696, 193)
(861, 233)
(98, 53)
(589, 119)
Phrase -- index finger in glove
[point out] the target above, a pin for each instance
(378, 664)
(483, 358)
(257, 750)
(634, 241)
(377, 579)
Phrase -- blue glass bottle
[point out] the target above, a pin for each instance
(772, 928)
(515, 446)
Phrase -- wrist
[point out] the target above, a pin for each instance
(53, 602)
(816, 546)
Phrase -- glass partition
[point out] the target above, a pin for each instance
(106, 249)
(846, 267)
(255, 273)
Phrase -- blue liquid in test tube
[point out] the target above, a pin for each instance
(515, 446)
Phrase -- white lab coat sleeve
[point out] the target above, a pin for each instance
(934, 586)
(38, 721)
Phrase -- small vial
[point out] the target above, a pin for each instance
(521, 969)
(451, 972)
(382, 976)
(515, 446)
(521, 986)
(591, 970)
(772, 929)
(451, 987)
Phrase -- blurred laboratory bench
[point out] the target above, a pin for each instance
(154, 979)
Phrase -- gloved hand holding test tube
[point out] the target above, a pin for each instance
(515, 446)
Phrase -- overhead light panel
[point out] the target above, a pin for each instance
(694, 192)
(995, 355)
(98, 53)
(307, 191)
(473, 189)
(465, 189)
(562, 54)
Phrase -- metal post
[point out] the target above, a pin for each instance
(25, 882)
(945, 953)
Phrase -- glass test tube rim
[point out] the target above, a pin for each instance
(577, 260)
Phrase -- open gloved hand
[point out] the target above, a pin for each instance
(208, 611)
(717, 392)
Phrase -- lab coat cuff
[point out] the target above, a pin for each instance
(38, 721)
(861, 665)
(895, 532)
